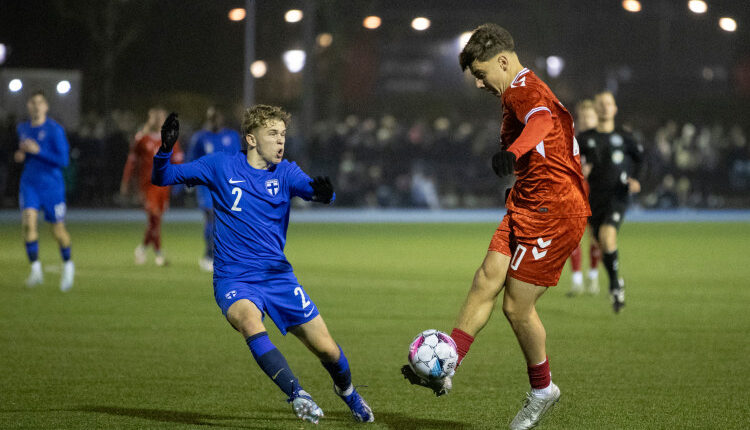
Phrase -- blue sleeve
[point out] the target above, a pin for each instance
(299, 183)
(58, 153)
(198, 172)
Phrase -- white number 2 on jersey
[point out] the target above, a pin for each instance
(238, 191)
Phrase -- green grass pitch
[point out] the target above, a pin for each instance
(147, 347)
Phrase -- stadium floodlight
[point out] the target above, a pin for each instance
(555, 66)
(293, 15)
(237, 14)
(15, 85)
(3, 53)
(420, 23)
(324, 40)
(371, 22)
(697, 6)
(463, 39)
(728, 24)
(294, 60)
(258, 69)
(63, 87)
(631, 5)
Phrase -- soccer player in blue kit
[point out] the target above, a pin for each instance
(43, 148)
(251, 194)
(212, 138)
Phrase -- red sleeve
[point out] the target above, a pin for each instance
(130, 164)
(538, 126)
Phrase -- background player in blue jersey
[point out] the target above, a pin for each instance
(43, 148)
(212, 138)
(251, 193)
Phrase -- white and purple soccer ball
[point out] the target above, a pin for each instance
(432, 355)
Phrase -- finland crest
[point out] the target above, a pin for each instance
(272, 186)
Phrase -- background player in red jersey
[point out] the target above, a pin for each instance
(586, 119)
(547, 212)
(155, 199)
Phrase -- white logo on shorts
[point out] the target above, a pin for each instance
(230, 295)
(307, 314)
(542, 244)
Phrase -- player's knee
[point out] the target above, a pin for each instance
(515, 312)
(487, 281)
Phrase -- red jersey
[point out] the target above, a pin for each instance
(141, 159)
(549, 182)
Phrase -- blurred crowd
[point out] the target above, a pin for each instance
(388, 162)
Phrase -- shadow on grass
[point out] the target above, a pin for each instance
(399, 421)
(193, 418)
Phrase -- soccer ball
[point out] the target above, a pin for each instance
(432, 355)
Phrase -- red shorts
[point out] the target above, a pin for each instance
(156, 200)
(538, 247)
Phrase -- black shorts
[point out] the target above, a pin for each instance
(610, 211)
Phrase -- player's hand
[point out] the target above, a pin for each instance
(19, 156)
(30, 146)
(322, 189)
(170, 131)
(634, 186)
(438, 386)
(504, 163)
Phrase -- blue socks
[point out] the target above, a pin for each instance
(208, 232)
(65, 253)
(273, 363)
(340, 372)
(32, 250)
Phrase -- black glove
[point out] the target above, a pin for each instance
(322, 189)
(504, 163)
(437, 385)
(170, 131)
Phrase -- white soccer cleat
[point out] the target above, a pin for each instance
(305, 407)
(160, 260)
(593, 283)
(36, 277)
(140, 255)
(206, 264)
(534, 409)
(576, 287)
(68, 273)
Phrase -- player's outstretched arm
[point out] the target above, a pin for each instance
(165, 173)
(322, 189)
(438, 386)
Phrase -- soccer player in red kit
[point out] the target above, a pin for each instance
(155, 199)
(547, 210)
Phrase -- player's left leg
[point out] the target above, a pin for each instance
(519, 306)
(29, 218)
(207, 261)
(608, 244)
(63, 240)
(315, 336)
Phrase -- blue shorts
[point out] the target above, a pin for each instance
(277, 294)
(203, 196)
(50, 200)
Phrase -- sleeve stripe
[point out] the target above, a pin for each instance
(535, 110)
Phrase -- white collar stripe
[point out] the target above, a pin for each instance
(521, 73)
(535, 110)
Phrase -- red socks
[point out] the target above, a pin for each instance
(575, 259)
(463, 343)
(539, 375)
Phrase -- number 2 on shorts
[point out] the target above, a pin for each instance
(298, 292)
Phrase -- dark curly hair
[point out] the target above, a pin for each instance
(486, 41)
(259, 115)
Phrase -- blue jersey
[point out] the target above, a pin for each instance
(251, 207)
(44, 169)
(205, 142)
